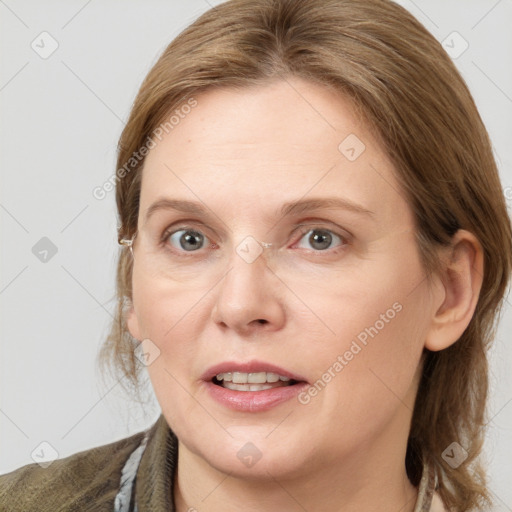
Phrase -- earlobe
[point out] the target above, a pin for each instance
(461, 278)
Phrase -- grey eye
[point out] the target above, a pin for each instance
(189, 240)
(320, 239)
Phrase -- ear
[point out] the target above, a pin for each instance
(132, 321)
(461, 281)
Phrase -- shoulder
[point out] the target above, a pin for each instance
(86, 481)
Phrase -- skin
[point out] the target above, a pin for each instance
(243, 154)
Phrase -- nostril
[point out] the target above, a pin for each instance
(261, 321)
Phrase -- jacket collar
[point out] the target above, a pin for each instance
(155, 476)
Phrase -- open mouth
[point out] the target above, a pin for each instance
(257, 381)
(252, 386)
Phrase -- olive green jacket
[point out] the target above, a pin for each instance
(90, 480)
(134, 474)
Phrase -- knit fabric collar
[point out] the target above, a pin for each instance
(148, 475)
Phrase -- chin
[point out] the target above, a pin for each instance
(258, 459)
(269, 467)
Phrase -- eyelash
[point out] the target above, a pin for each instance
(302, 228)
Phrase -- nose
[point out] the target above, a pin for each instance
(249, 298)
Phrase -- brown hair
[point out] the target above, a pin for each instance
(411, 94)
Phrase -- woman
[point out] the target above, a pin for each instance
(316, 249)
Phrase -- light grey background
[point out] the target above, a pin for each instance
(61, 117)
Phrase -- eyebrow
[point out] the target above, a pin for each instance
(287, 209)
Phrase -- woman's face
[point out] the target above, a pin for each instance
(339, 302)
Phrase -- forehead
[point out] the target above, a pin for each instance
(271, 144)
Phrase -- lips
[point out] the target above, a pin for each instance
(240, 386)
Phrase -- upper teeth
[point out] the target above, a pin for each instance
(251, 378)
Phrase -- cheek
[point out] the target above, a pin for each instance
(377, 317)
(376, 296)
(170, 319)
(172, 315)
(166, 310)
(364, 381)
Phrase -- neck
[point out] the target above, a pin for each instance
(369, 478)
(229, 494)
